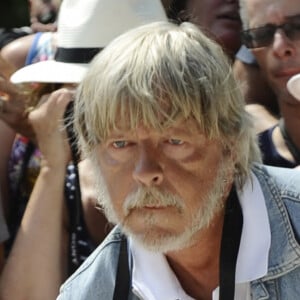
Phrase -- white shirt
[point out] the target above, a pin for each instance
(153, 279)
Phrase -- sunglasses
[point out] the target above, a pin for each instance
(263, 36)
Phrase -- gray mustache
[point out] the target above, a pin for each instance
(152, 197)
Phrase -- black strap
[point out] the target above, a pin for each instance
(289, 142)
(122, 285)
(231, 236)
(76, 55)
(75, 218)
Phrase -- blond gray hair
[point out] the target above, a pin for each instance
(170, 72)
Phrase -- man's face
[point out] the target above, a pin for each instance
(219, 17)
(281, 59)
(163, 187)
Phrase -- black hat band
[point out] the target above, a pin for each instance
(76, 55)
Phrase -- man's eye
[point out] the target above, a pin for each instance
(119, 144)
(175, 141)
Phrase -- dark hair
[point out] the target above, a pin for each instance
(176, 11)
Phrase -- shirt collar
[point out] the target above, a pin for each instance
(153, 279)
(252, 261)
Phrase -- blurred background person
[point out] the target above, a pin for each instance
(271, 32)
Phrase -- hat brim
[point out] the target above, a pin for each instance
(293, 86)
(50, 71)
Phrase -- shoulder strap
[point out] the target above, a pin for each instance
(122, 285)
(77, 208)
(231, 236)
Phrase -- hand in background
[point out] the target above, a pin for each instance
(47, 123)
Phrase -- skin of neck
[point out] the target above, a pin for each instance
(197, 266)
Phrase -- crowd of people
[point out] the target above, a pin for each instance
(151, 150)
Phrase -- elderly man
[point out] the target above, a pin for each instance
(272, 33)
(178, 171)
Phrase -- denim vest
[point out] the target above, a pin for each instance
(95, 279)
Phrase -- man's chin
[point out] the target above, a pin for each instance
(158, 240)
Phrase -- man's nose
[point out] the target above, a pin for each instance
(148, 170)
(283, 46)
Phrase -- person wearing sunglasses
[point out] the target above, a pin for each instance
(271, 30)
(263, 36)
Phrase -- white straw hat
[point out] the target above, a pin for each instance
(293, 86)
(84, 28)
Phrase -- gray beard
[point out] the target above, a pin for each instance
(209, 206)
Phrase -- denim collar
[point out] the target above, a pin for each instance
(284, 254)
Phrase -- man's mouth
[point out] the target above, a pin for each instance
(156, 207)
